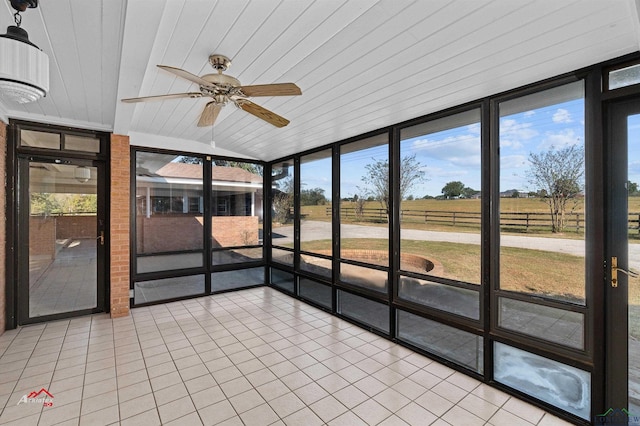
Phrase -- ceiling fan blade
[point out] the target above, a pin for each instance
(278, 89)
(192, 95)
(209, 114)
(264, 114)
(186, 75)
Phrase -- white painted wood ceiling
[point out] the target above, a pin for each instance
(361, 64)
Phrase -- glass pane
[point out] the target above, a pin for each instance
(316, 265)
(633, 203)
(557, 325)
(624, 77)
(283, 280)
(62, 239)
(81, 143)
(542, 194)
(373, 279)
(364, 189)
(366, 311)
(319, 293)
(315, 203)
(282, 256)
(240, 255)
(455, 345)
(169, 213)
(167, 262)
(39, 139)
(282, 204)
(441, 191)
(168, 288)
(236, 204)
(560, 385)
(229, 280)
(456, 300)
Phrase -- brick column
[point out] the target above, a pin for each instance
(3, 224)
(119, 232)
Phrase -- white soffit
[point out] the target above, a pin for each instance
(361, 64)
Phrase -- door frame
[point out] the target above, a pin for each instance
(616, 244)
(17, 187)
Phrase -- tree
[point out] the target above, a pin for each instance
(632, 189)
(453, 189)
(282, 199)
(376, 179)
(256, 169)
(558, 174)
(469, 192)
(312, 197)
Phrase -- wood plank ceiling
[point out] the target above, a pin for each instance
(361, 64)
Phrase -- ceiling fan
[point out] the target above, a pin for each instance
(223, 89)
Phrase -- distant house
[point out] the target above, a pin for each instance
(176, 188)
(514, 193)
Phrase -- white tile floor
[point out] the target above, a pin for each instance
(252, 357)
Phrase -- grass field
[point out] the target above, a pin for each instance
(507, 205)
(547, 274)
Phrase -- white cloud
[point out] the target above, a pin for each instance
(562, 116)
(459, 150)
(559, 140)
(513, 133)
(513, 162)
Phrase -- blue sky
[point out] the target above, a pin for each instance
(454, 154)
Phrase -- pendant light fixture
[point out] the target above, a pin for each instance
(24, 67)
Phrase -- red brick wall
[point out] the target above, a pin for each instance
(161, 233)
(42, 236)
(158, 233)
(230, 231)
(3, 215)
(76, 227)
(119, 225)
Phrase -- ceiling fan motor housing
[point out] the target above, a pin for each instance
(219, 62)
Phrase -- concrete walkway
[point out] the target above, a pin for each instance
(317, 230)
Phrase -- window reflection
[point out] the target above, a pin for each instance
(168, 198)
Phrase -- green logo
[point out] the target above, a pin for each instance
(617, 416)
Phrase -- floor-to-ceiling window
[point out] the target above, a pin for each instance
(237, 201)
(168, 198)
(365, 203)
(282, 224)
(540, 292)
(440, 234)
(194, 236)
(316, 232)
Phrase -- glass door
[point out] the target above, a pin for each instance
(623, 261)
(62, 238)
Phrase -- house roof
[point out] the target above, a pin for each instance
(361, 64)
(218, 173)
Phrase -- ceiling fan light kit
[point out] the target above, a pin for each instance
(224, 89)
(24, 68)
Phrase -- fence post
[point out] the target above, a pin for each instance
(425, 216)
(527, 222)
(454, 218)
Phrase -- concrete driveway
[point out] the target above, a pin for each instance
(317, 230)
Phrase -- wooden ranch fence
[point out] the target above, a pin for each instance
(523, 221)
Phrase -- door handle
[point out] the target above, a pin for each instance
(101, 238)
(614, 272)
